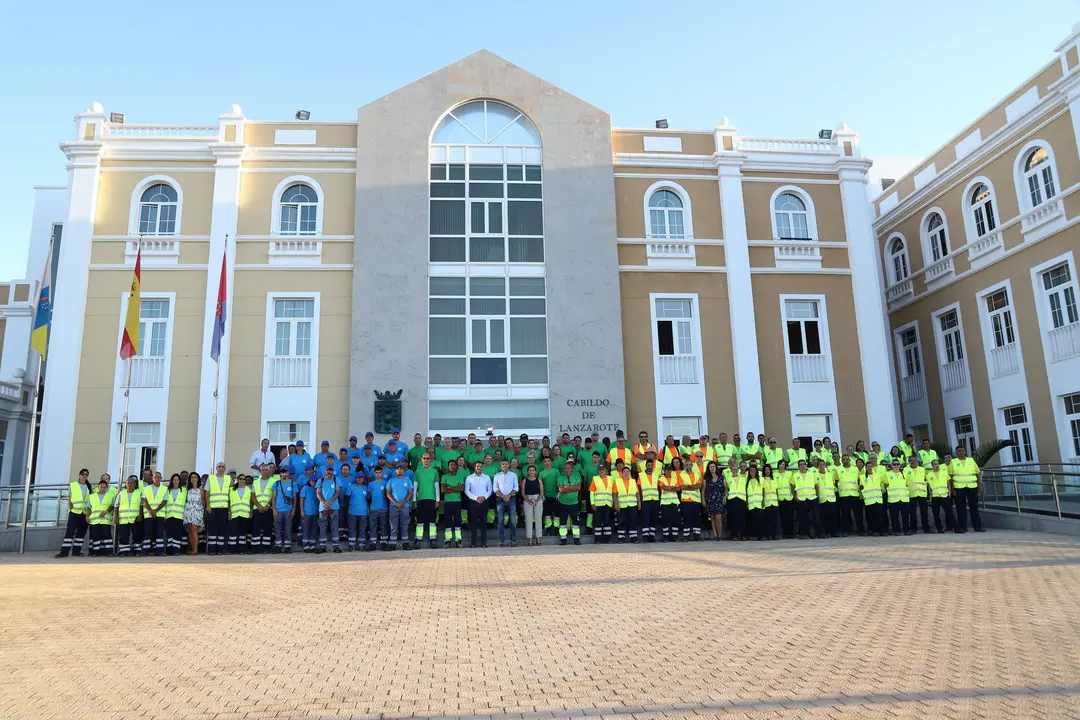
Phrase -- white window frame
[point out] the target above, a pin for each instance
(667, 426)
(690, 323)
(275, 207)
(687, 211)
(144, 343)
(823, 325)
(294, 330)
(911, 359)
(1060, 290)
(158, 446)
(893, 259)
(301, 426)
(148, 324)
(811, 215)
(1001, 321)
(971, 440)
(1072, 425)
(135, 211)
(924, 233)
(958, 347)
(270, 344)
(1022, 433)
(969, 210)
(1023, 189)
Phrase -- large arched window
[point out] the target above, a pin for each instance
(937, 236)
(158, 210)
(666, 215)
(1037, 176)
(981, 203)
(485, 122)
(299, 210)
(898, 259)
(791, 220)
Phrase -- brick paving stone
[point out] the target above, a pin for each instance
(924, 626)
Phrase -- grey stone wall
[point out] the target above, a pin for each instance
(389, 328)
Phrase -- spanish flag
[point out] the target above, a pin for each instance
(131, 342)
(39, 336)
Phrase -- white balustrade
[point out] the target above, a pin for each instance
(985, 245)
(159, 131)
(9, 391)
(809, 368)
(154, 245)
(899, 291)
(1064, 342)
(290, 371)
(667, 249)
(678, 369)
(296, 247)
(821, 147)
(147, 371)
(1004, 360)
(1049, 210)
(954, 375)
(911, 387)
(798, 250)
(938, 270)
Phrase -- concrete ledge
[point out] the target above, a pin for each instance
(1032, 523)
(37, 539)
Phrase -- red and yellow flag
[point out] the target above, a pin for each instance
(130, 344)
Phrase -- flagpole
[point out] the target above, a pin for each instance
(217, 369)
(30, 456)
(127, 406)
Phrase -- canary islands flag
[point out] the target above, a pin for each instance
(129, 345)
(39, 337)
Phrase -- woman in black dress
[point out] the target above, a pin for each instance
(715, 497)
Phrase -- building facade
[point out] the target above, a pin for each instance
(978, 247)
(481, 241)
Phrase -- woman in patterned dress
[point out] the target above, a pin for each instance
(715, 490)
(194, 513)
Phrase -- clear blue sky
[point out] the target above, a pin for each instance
(906, 76)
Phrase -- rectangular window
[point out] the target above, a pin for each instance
(287, 433)
(464, 416)
(673, 330)
(679, 426)
(140, 446)
(950, 336)
(447, 217)
(1001, 322)
(1061, 293)
(153, 327)
(1020, 433)
(1072, 414)
(525, 218)
(447, 250)
(909, 341)
(293, 318)
(964, 431)
(803, 330)
(487, 249)
(813, 425)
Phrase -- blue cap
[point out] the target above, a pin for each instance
(325, 442)
(369, 434)
(395, 430)
(232, 470)
(299, 443)
(351, 438)
(343, 450)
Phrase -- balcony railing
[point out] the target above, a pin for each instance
(9, 391)
(985, 245)
(954, 375)
(1064, 342)
(1049, 489)
(822, 147)
(153, 246)
(294, 248)
(809, 368)
(678, 369)
(798, 250)
(1049, 210)
(911, 387)
(147, 371)
(669, 249)
(939, 269)
(290, 371)
(899, 291)
(160, 131)
(1004, 361)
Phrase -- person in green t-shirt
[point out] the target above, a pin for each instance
(426, 479)
(569, 489)
(599, 446)
(449, 453)
(492, 446)
(453, 483)
(474, 454)
(549, 477)
(416, 452)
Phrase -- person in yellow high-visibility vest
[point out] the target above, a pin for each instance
(724, 451)
(669, 504)
(128, 507)
(873, 481)
(755, 502)
(75, 533)
(897, 489)
(850, 503)
(826, 489)
(602, 497)
(806, 497)
(966, 480)
(628, 497)
(99, 516)
(785, 495)
(917, 494)
(937, 480)
(769, 515)
(669, 452)
(736, 500)
(649, 483)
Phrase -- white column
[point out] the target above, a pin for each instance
(740, 290)
(69, 308)
(868, 291)
(229, 151)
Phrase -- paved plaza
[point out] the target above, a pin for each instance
(980, 626)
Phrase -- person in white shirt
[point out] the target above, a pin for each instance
(506, 488)
(263, 456)
(478, 490)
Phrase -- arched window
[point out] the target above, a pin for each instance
(937, 238)
(791, 217)
(981, 200)
(485, 122)
(1038, 173)
(666, 215)
(898, 256)
(157, 210)
(299, 210)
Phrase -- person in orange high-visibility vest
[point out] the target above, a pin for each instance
(669, 452)
(620, 452)
(669, 504)
(690, 499)
(643, 446)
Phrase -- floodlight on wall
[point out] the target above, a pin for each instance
(824, 134)
(661, 124)
(116, 118)
(303, 115)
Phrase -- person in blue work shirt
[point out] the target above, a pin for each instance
(400, 492)
(309, 510)
(329, 507)
(284, 504)
(300, 461)
(368, 461)
(395, 437)
(324, 459)
(395, 454)
(378, 511)
(369, 442)
(357, 494)
(353, 452)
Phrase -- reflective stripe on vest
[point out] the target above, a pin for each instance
(601, 497)
(627, 490)
(267, 488)
(736, 486)
(724, 453)
(773, 456)
(174, 504)
(926, 458)
(916, 482)
(154, 496)
(826, 488)
(240, 506)
(963, 473)
(129, 506)
(794, 456)
(685, 478)
(101, 504)
(669, 488)
(847, 479)
(650, 486)
(79, 493)
(806, 486)
(755, 496)
(938, 482)
(783, 485)
(217, 491)
(768, 486)
(896, 486)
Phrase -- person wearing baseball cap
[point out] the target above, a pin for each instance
(324, 458)
(395, 436)
(301, 461)
(369, 442)
(353, 451)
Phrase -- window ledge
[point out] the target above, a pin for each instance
(989, 244)
(901, 291)
(156, 250)
(1044, 220)
(940, 273)
(1064, 342)
(670, 252)
(792, 252)
(294, 249)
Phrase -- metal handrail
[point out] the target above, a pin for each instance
(1033, 488)
(48, 506)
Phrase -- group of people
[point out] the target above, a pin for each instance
(368, 497)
